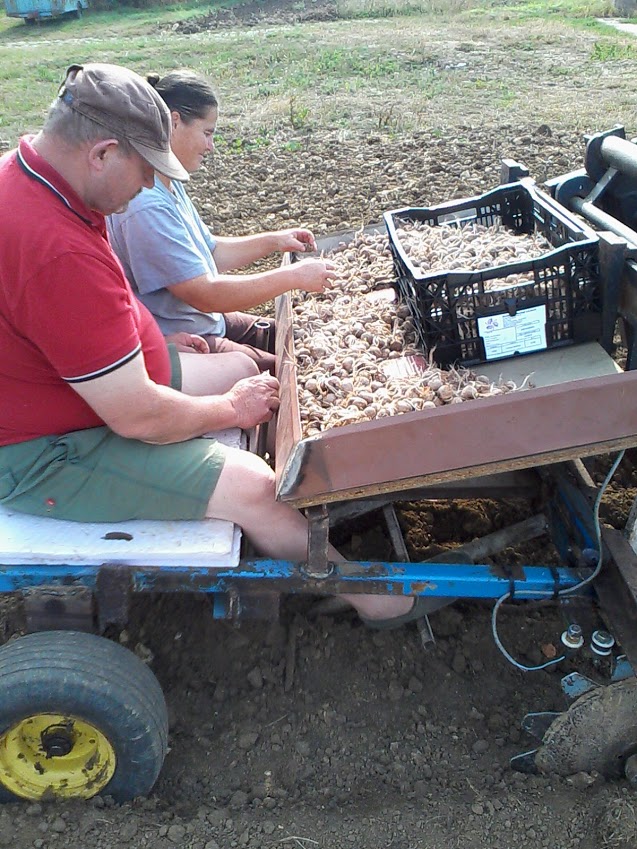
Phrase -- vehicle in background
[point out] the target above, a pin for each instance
(34, 10)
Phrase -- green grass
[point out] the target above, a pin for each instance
(399, 8)
(607, 50)
(564, 9)
(257, 67)
(440, 60)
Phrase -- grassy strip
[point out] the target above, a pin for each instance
(564, 9)
(392, 72)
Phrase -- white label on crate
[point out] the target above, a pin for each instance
(505, 335)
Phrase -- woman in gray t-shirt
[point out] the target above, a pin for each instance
(179, 269)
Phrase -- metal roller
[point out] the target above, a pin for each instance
(603, 220)
(610, 149)
(605, 192)
(620, 154)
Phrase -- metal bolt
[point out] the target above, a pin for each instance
(590, 556)
(573, 637)
(602, 643)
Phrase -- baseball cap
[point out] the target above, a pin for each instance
(123, 102)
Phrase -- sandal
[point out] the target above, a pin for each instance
(421, 607)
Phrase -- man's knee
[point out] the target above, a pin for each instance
(246, 485)
(254, 478)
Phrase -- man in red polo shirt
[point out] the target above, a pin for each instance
(98, 421)
(77, 350)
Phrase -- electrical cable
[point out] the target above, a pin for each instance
(498, 642)
(598, 530)
(566, 590)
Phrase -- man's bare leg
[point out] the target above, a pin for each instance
(245, 495)
(214, 375)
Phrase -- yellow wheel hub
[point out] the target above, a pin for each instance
(55, 756)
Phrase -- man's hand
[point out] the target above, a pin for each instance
(296, 239)
(254, 399)
(313, 275)
(189, 343)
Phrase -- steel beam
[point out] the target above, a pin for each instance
(437, 579)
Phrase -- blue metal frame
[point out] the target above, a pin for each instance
(567, 518)
(571, 521)
(430, 578)
(579, 514)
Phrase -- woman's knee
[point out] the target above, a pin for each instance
(243, 364)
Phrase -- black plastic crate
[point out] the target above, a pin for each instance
(561, 304)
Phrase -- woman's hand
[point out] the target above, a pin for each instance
(312, 275)
(189, 343)
(296, 239)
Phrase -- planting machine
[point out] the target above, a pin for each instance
(81, 715)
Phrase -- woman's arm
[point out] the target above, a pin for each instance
(238, 251)
(239, 292)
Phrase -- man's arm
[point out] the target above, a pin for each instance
(238, 251)
(231, 292)
(135, 407)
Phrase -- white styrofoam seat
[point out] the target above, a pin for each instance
(210, 543)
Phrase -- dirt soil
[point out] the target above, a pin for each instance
(314, 731)
(258, 13)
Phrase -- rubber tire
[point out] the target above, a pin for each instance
(98, 681)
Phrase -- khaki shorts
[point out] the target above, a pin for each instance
(96, 476)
